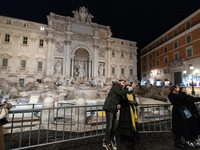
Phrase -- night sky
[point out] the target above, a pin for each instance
(137, 20)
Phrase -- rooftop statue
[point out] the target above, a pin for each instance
(82, 15)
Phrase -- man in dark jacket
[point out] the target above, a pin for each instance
(111, 107)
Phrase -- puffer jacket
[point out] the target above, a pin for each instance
(113, 97)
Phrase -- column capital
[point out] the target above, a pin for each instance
(68, 42)
(95, 46)
(50, 39)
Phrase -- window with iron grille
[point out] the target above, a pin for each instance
(5, 62)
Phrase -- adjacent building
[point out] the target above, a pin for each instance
(73, 47)
(168, 60)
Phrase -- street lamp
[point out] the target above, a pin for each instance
(193, 92)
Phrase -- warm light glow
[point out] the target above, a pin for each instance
(196, 71)
(191, 68)
(184, 72)
(41, 28)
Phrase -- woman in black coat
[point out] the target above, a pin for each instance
(127, 125)
(180, 126)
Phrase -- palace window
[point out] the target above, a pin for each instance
(175, 45)
(5, 62)
(144, 59)
(157, 62)
(41, 43)
(131, 71)
(39, 65)
(113, 53)
(26, 25)
(23, 64)
(157, 43)
(166, 60)
(122, 71)
(188, 25)
(8, 21)
(131, 55)
(151, 65)
(122, 54)
(113, 70)
(165, 49)
(144, 67)
(176, 56)
(165, 39)
(25, 40)
(188, 39)
(175, 32)
(189, 52)
(7, 37)
(150, 56)
(157, 53)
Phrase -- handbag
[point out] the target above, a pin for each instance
(185, 113)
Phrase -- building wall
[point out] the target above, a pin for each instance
(173, 65)
(66, 41)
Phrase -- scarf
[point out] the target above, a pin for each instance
(134, 117)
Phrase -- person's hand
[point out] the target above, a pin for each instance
(118, 106)
(134, 85)
(133, 102)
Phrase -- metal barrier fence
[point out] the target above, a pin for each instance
(29, 128)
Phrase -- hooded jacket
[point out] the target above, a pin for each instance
(113, 97)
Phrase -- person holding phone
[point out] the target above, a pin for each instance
(111, 106)
(182, 127)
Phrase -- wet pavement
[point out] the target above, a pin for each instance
(144, 141)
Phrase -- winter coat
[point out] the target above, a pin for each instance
(125, 122)
(180, 126)
(113, 98)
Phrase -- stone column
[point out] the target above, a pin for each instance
(89, 68)
(72, 68)
(95, 57)
(108, 62)
(67, 61)
(67, 56)
(49, 52)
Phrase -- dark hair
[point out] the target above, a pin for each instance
(172, 88)
(122, 80)
(181, 88)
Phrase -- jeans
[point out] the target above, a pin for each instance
(111, 126)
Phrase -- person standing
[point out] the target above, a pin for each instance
(111, 106)
(180, 125)
(128, 120)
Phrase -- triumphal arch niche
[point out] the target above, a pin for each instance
(80, 49)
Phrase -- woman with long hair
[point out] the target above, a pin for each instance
(181, 126)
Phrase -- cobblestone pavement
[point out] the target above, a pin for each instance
(145, 141)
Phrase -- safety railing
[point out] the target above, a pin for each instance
(29, 128)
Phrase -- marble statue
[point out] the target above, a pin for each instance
(58, 67)
(76, 15)
(100, 69)
(69, 25)
(50, 21)
(89, 18)
(82, 15)
(109, 33)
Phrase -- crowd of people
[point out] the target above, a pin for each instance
(185, 116)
